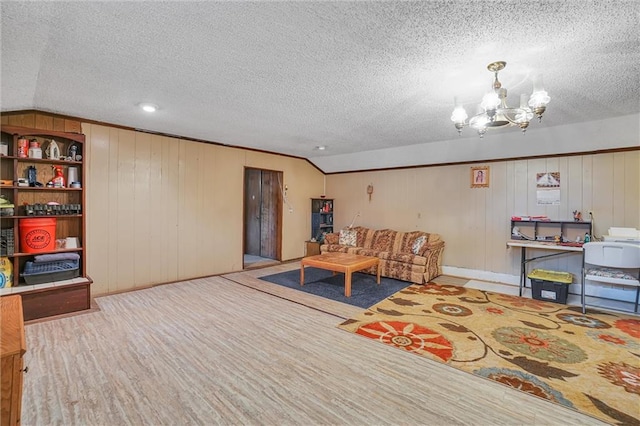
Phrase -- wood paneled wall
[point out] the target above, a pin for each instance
(36, 120)
(474, 222)
(161, 209)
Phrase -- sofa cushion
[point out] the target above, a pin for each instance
(403, 271)
(370, 252)
(330, 248)
(348, 237)
(363, 235)
(331, 238)
(406, 258)
(383, 240)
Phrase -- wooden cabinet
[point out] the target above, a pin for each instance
(312, 248)
(321, 218)
(12, 350)
(28, 171)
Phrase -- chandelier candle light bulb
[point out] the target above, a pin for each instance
(495, 113)
(459, 115)
(539, 98)
(525, 115)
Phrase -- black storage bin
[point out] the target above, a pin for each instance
(550, 286)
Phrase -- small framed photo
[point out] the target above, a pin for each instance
(480, 177)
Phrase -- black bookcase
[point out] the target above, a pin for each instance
(321, 217)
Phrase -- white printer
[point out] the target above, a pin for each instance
(623, 235)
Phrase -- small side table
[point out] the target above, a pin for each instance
(312, 248)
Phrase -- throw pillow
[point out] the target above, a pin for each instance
(418, 243)
(347, 237)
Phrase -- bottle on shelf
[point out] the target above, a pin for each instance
(32, 175)
(34, 149)
(23, 147)
(58, 180)
(72, 177)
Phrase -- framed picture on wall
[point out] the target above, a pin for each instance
(480, 177)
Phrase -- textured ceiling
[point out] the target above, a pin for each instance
(289, 76)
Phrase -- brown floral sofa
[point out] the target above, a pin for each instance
(409, 256)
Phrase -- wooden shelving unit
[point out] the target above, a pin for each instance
(548, 230)
(54, 297)
(321, 217)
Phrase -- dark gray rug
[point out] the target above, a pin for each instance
(364, 290)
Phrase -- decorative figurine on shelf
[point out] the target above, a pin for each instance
(72, 153)
(53, 150)
(577, 216)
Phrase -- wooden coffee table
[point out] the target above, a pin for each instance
(340, 262)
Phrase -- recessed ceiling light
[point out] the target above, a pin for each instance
(148, 107)
(321, 147)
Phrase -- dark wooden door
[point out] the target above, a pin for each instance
(252, 211)
(263, 213)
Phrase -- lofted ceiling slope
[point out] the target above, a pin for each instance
(372, 80)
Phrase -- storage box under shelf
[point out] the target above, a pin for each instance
(45, 277)
(39, 273)
(551, 286)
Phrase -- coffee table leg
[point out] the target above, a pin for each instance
(347, 283)
(301, 275)
(378, 272)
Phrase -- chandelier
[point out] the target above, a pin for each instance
(493, 111)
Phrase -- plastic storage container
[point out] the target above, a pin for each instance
(550, 285)
(37, 235)
(6, 207)
(38, 273)
(6, 272)
(7, 246)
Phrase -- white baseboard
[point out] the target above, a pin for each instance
(476, 274)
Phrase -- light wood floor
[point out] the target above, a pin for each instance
(235, 350)
(251, 261)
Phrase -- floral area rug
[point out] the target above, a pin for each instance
(590, 363)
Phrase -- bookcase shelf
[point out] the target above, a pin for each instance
(550, 230)
(321, 218)
(57, 296)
